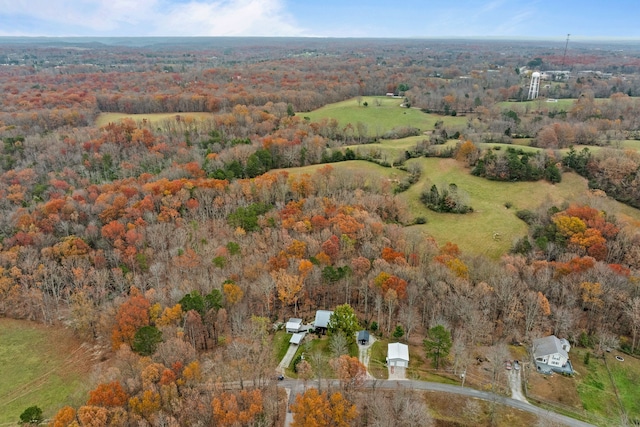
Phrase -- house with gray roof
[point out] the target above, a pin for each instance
(551, 354)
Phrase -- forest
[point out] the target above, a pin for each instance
(176, 245)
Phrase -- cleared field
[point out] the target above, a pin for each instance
(379, 119)
(40, 366)
(106, 118)
(368, 170)
(474, 233)
(539, 104)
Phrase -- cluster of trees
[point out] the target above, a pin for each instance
(518, 165)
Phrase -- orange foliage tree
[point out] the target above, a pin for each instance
(132, 315)
(109, 394)
(233, 409)
(313, 409)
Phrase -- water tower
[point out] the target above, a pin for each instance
(534, 86)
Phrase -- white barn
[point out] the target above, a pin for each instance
(398, 355)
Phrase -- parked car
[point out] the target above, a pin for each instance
(280, 377)
(516, 365)
(507, 365)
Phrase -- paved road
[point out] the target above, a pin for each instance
(296, 387)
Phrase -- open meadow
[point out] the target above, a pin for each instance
(381, 115)
(41, 366)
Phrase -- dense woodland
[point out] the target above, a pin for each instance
(176, 245)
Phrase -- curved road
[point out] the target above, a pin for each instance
(296, 387)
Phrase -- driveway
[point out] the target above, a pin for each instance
(365, 354)
(515, 381)
(288, 357)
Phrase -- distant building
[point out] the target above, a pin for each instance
(534, 86)
(322, 320)
(552, 355)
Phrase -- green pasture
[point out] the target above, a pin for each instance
(370, 173)
(539, 104)
(379, 119)
(106, 118)
(492, 228)
(37, 368)
(596, 389)
(389, 149)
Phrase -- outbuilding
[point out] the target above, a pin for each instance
(398, 355)
(294, 325)
(363, 337)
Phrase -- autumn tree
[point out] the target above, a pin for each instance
(322, 410)
(108, 394)
(237, 409)
(351, 372)
(65, 417)
(132, 315)
(288, 287)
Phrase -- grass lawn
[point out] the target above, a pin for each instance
(379, 119)
(595, 388)
(281, 344)
(106, 118)
(378, 360)
(40, 366)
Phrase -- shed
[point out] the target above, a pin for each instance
(363, 337)
(398, 355)
(294, 325)
(322, 320)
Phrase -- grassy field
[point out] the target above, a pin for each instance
(39, 366)
(537, 105)
(106, 118)
(474, 233)
(381, 118)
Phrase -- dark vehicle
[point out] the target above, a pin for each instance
(280, 377)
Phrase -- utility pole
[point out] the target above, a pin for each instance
(565, 51)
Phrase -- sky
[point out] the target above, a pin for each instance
(536, 19)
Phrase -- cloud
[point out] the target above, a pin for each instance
(149, 17)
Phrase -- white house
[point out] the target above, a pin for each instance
(398, 355)
(552, 354)
(322, 320)
(293, 325)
